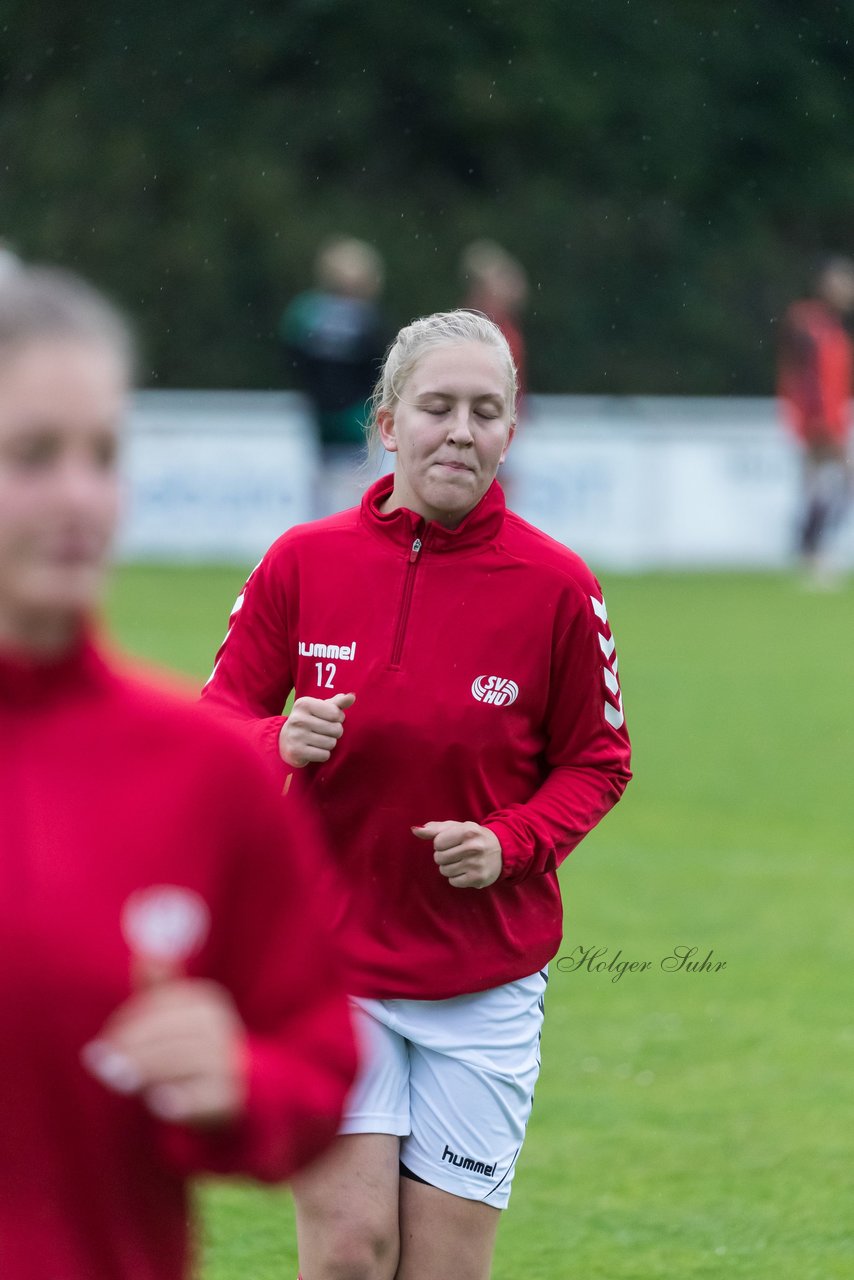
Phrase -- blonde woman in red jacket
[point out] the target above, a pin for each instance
(458, 721)
(168, 1002)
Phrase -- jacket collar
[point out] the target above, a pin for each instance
(480, 527)
(28, 681)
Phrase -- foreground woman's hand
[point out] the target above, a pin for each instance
(180, 1045)
(311, 732)
(468, 854)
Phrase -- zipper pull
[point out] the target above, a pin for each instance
(416, 547)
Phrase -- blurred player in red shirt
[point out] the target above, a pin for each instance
(169, 1003)
(815, 369)
(497, 285)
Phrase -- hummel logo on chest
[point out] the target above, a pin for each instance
(343, 652)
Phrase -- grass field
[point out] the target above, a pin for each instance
(686, 1124)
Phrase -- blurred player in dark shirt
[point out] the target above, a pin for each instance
(334, 339)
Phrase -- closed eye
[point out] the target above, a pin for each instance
(36, 453)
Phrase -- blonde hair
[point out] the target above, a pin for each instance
(441, 329)
(46, 302)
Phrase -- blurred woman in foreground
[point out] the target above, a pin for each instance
(168, 1002)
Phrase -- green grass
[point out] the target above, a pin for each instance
(686, 1124)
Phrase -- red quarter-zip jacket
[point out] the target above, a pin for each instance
(109, 791)
(486, 690)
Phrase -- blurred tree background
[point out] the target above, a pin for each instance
(667, 172)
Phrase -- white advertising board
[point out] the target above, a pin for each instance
(215, 476)
(630, 483)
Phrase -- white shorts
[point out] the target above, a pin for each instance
(455, 1080)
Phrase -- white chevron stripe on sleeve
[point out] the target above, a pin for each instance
(599, 608)
(607, 646)
(614, 715)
